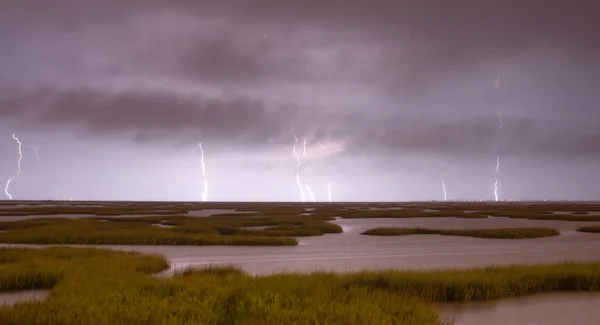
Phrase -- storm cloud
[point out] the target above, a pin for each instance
(385, 78)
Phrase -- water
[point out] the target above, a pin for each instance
(160, 225)
(351, 251)
(360, 225)
(11, 298)
(559, 308)
(216, 212)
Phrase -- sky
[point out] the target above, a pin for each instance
(392, 96)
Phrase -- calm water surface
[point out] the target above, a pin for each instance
(581, 308)
(352, 251)
(11, 298)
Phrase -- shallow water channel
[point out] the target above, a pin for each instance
(352, 251)
(11, 298)
(557, 308)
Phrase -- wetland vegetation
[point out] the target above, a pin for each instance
(590, 229)
(499, 233)
(252, 224)
(218, 230)
(559, 211)
(93, 286)
(524, 210)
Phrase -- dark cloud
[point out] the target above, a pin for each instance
(167, 118)
(415, 54)
(150, 116)
(423, 40)
(414, 42)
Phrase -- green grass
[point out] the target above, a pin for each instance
(501, 233)
(24, 269)
(216, 230)
(100, 287)
(590, 229)
(96, 232)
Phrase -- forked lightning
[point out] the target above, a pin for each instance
(18, 167)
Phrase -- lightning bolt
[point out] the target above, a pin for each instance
(298, 168)
(205, 188)
(310, 192)
(304, 152)
(498, 82)
(444, 188)
(6, 189)
(18, 165)
(36, 153)
(497, 156)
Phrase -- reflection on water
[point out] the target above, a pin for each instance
(11, 298)
(563, 308)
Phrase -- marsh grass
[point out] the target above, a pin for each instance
(185, 231)
(148, 208)
(106, 287)
(535, 211)
(94, 232)
(100, 211)
(112, 290)
(485, 283)
(590, 229)
(220, 271)
(500, 233)
(579, 212)
(25, 269)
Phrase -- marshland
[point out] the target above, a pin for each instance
(271, 263)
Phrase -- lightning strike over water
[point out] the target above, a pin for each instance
(18, 166)
(205, 189)
(498, 82)
(444, 189)
(298, 168)
(329, 192)
(310, 192)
